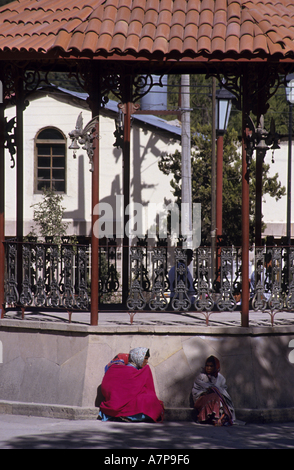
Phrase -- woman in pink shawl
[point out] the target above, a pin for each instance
(212, 402)
(128, 390)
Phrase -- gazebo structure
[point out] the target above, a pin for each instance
(110, 45)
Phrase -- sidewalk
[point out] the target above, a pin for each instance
(149, 318)
(21, 432)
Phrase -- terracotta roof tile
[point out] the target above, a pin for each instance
(90, 41)
(190, 44)
(135, 28)
(219, 31)
(246, 42)
(76, 40)
(220, 16)
(192, 17)
(232, 43)
(218, 44)
(165, 16)
(104, 42)
(204, 44)
(197, 27)
(107, 26)
(146, 44)
(161, 44)
(234, 10)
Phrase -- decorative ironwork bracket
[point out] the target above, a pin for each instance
(84, 137)
(260, 139)
(10, 140)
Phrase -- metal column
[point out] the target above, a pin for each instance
(2, 210)
(245, 210)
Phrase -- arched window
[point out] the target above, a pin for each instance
(50, 160)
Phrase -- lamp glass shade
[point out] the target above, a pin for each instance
(290, 91)
(223, 110)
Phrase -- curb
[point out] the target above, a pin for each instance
(256, 416)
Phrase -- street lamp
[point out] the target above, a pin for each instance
(290, 99)
(222, 115)
(223, 110)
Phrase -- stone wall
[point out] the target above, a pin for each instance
(63, 364)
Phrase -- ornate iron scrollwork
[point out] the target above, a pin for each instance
(82, 300)
(259, 301)
(11, 292)
(135, 300)
(204, 299)
(26, 296)
(158, 300)
(10, 141)
(226, 301)
(142, 242)
(276, 301)
(54, 297)
(181, 300)
(112, 282)
(108, 274)
(84, 137)
(290, 296)
(68, 299)
(40, 297)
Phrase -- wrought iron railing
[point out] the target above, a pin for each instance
(59, 276)
(46, 275)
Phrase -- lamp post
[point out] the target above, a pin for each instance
(290, 100)
(222, 115)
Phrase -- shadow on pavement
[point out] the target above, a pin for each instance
(168, 436)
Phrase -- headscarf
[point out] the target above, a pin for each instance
(137, 356)
(120, 358)
(216, 364)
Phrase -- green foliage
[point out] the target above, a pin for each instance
(232, 183)
(48, 215)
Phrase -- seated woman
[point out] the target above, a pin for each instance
(128, 390)
(212, 402)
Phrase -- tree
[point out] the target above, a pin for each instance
(232, 183)
(48, 215)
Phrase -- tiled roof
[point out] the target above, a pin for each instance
(167, 28)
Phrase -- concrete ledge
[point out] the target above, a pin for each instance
(47, 411)
(282, 415)
(278, 415)
(56, 327)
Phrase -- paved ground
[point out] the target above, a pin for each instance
(22, 432)
(194, 318)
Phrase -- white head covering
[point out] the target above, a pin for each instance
(137, 356)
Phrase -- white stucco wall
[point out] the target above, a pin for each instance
(275, 212)
(148, 184)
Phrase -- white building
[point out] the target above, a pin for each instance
(275, 212)
(50, 116)
(52, 112)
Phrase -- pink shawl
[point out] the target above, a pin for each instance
(128, 391)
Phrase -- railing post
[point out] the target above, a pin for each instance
(245, 211)
(95, 239)
(2, 211)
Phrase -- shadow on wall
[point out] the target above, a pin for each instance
(257, 369)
